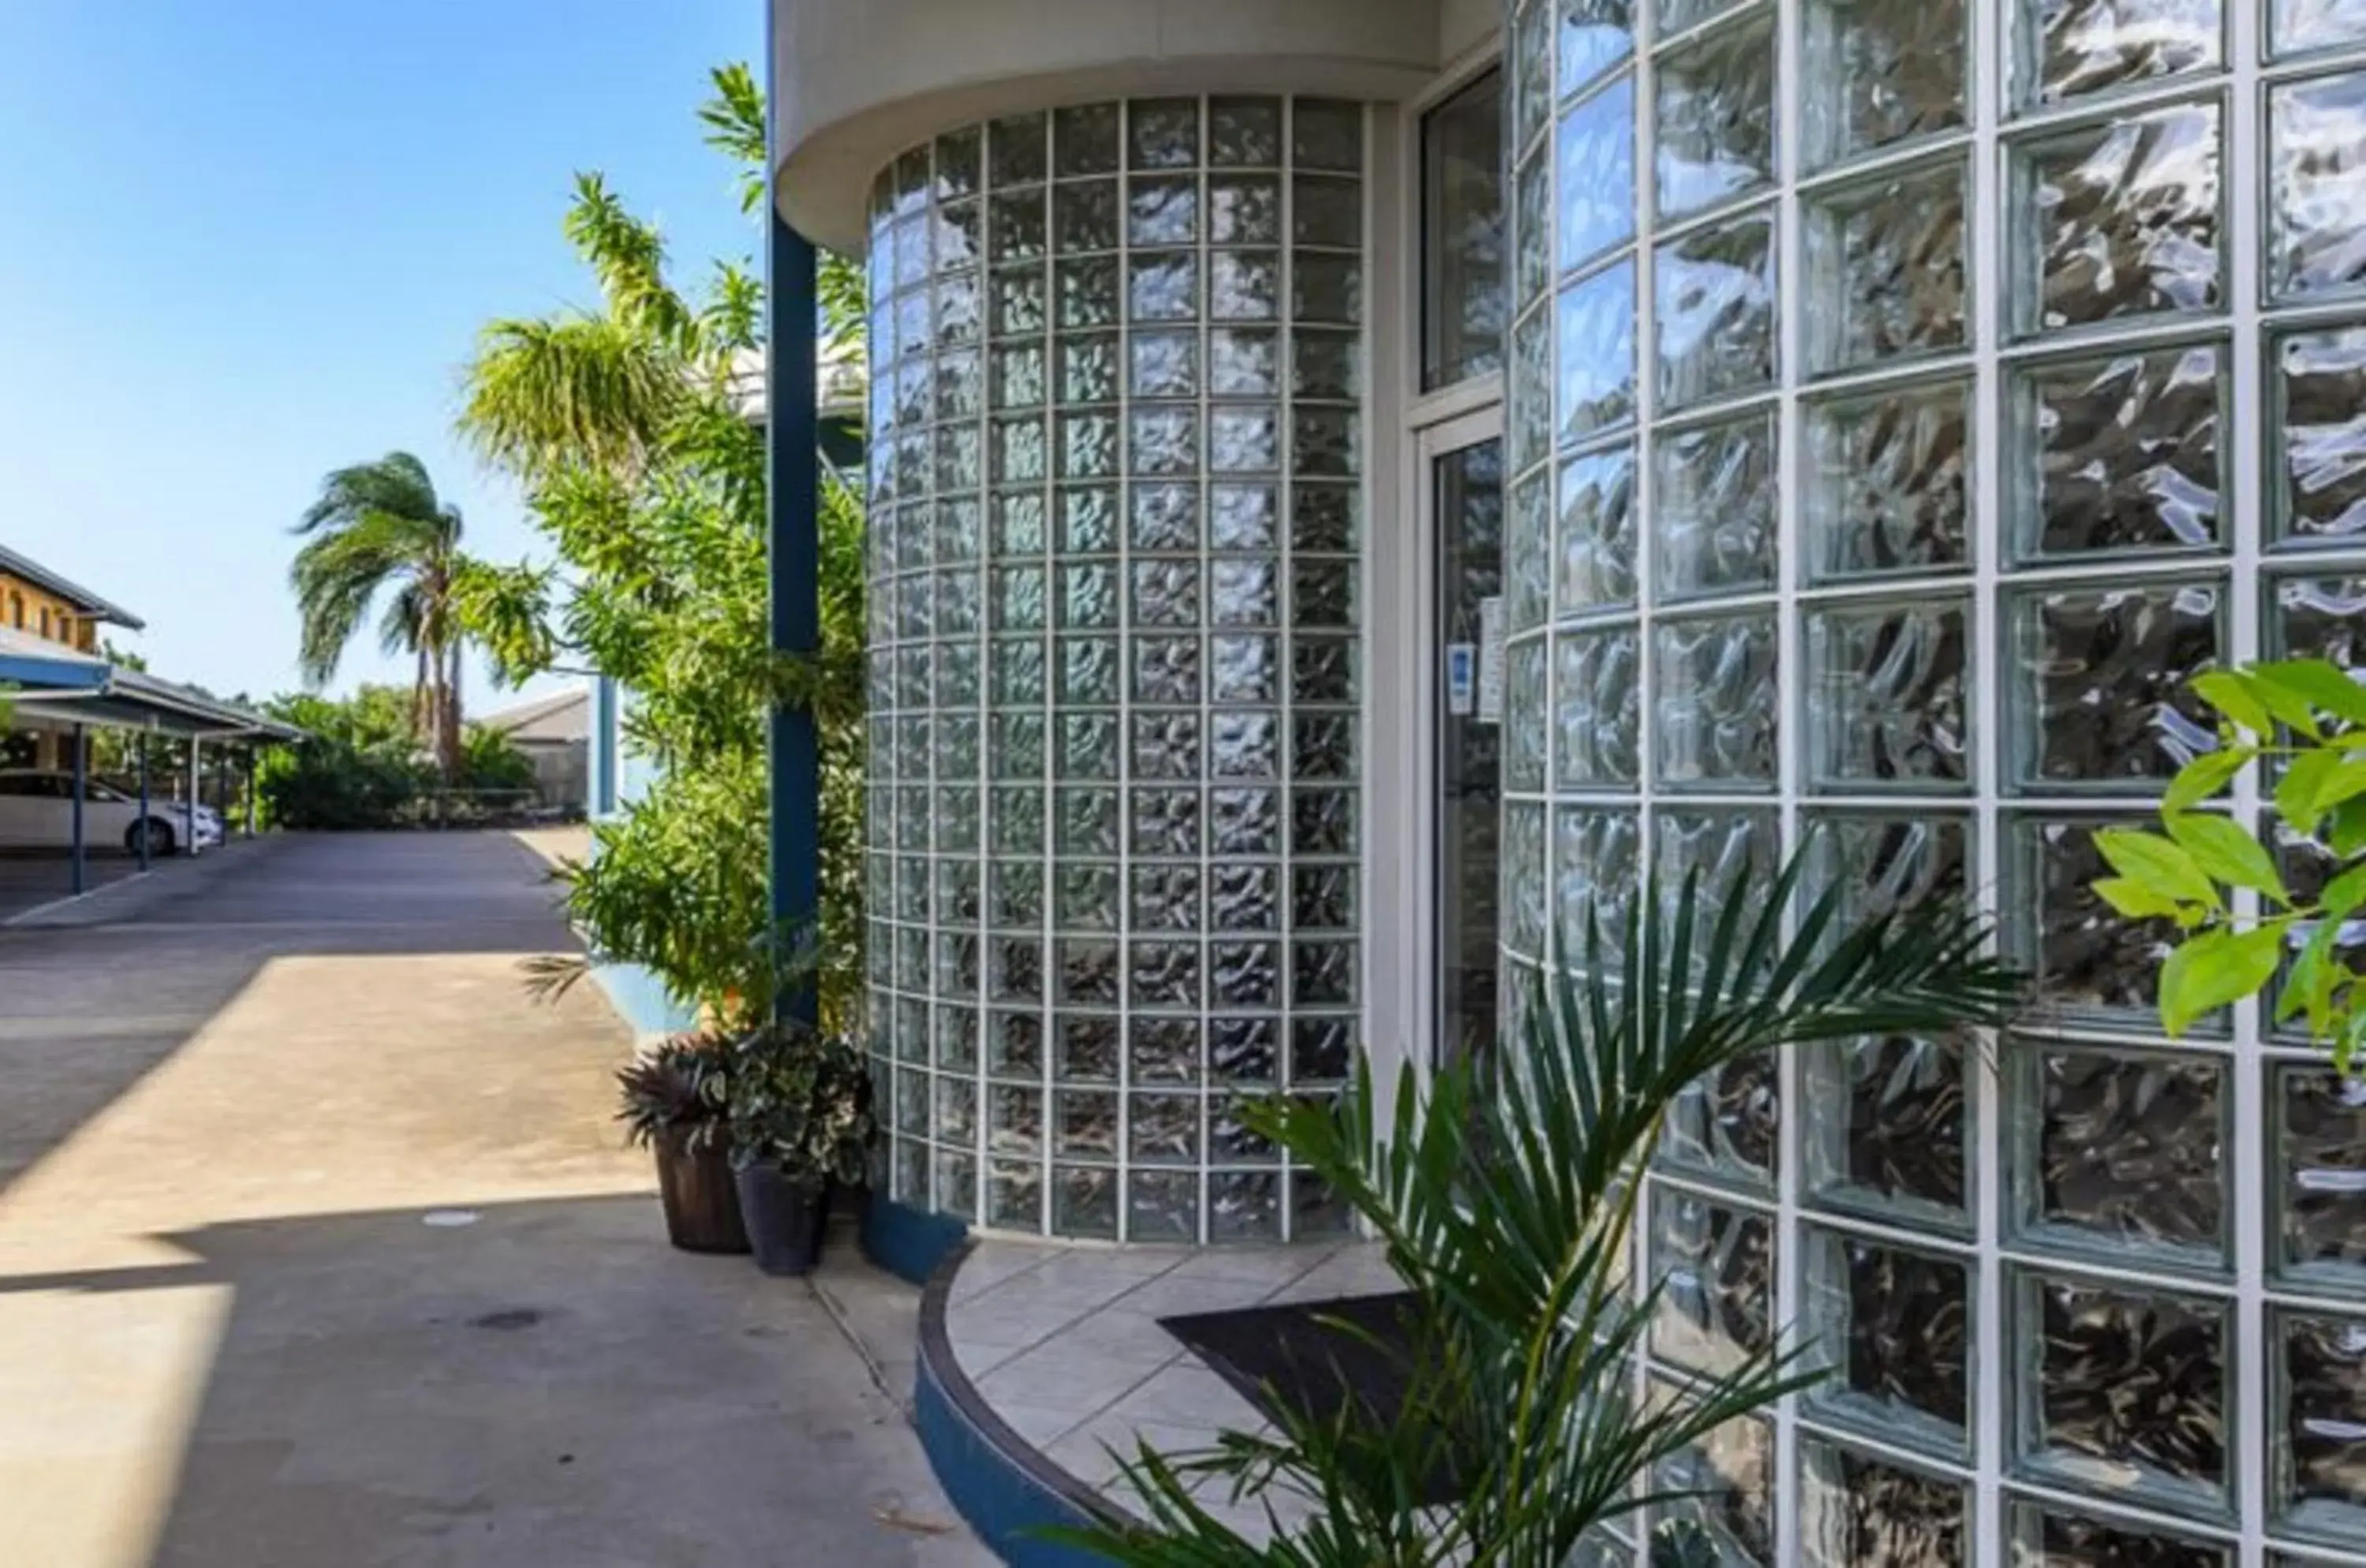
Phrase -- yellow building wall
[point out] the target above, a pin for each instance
(22, 606)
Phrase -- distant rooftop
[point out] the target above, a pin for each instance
(842, 382)
(81, 598)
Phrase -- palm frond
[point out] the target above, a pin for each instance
(540, 396)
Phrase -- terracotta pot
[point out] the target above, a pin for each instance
(702, 1201)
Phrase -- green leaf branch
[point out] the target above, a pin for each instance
(2302, 723)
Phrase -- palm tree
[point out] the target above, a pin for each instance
(378, 530)
(1506, 1190)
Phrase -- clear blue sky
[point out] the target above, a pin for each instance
(243, 244)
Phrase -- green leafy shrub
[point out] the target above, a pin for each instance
(801, 1102)
(2240, 912)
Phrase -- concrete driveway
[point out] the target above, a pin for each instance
(318, 1249)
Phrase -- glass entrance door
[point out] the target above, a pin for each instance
(1466, 551)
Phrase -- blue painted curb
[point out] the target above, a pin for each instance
(909, 1243)
(997, 1480)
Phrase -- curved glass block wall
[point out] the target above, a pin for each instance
(1116, 355)
(1905, 398)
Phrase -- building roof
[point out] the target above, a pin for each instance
(73, 593)
(38, 676)
(842, 383)
(559, 719)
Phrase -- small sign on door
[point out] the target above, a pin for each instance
(1461, 677)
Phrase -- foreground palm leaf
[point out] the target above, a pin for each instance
(1506, 1193)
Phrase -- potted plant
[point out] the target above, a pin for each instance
(801, 1125)
(676, 1101)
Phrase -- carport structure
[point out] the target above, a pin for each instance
(45, 686)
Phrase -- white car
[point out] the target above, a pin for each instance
(37, 812)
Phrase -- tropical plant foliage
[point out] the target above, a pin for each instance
(649, 478)
(801, 1102)
(359, 765)
(679, 1092)
(1506, 1193)
(2237, 907)
(379, 535)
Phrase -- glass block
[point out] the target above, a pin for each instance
(1327, 133)
(1715, 517)
(1018, 449)
(1594, 552)
(1163, 133)
(1087, 594)
(1322, 822)
(1242, 517)
(1244, 362)
(1244, 974)
(1244, 440)
(1243, 670)
(1088, 368)
(1322, 1050)
(1593, 36)
(1716, 117)
(2120, 1390)
(1014, 1044)
(1324, 518)
(1597, 702)
(1244, 133)
(1167, 670)
(1084, 218)
(1164, 365)
(1530, 61)
(1246, 744)
(1243, 897)
(1887, 481)
(1089, 968)
(1085, 140)
(2121, 1151)
(2317, 196)
(2122, 453)
(1716, 310)
(2100, 695)
(1089, 670)
(1243, 822)
(1895, 1325)
(2071, 48)
(1508, 549)
(1163, 1206)
(1326, 366)
(1888, 692)
(1532, 252)
(1163, 285)
(1726, 851)
(1325, 443)
(1322, 898)
(2320, 1176)
(1322, 591)
(1165, 975)
(1325, 287)
(1597, 863)
(1530, 385)
(1322, 974)
(1088, 746)
(1856, 1510)
(2321, 1442)
(1020, 302)
(1163, 1050)
(1715, 709)
(1885, 268)
(1084, 1200)
(1088, 519)
(1728, 1124)
(1594, 352)
(1244, 286)
(1243, 209)
(1015, 149)
(1242, 592)
(1322, 746)
(1019, 526)
(1014, 1196)
(2318, 435)
(1525, 708)
(2300, 26)
(1163, 441)
(1323, 668)
(1326, 211)
(1880, 72)
(2120, 218)
(1019, 598)
(1015, 1120)
(1167, 821)
(1525, 917)
(1017, 670)
(1594, 200)
(2048, 1539)
(1726, 1511)
(1088, 1049)
(1887, 1129)
(1243, 1205)
(1715, 1265)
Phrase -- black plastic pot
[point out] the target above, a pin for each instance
(699, 1198)
(784, 1219)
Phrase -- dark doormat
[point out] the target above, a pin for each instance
(1317, 1358)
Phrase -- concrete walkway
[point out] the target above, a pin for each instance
(318, 1249)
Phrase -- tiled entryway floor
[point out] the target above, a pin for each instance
(1064, 1342)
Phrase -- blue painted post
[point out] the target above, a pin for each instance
(189, 811)
(81, 786)
(143, 800)
(792, 458)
